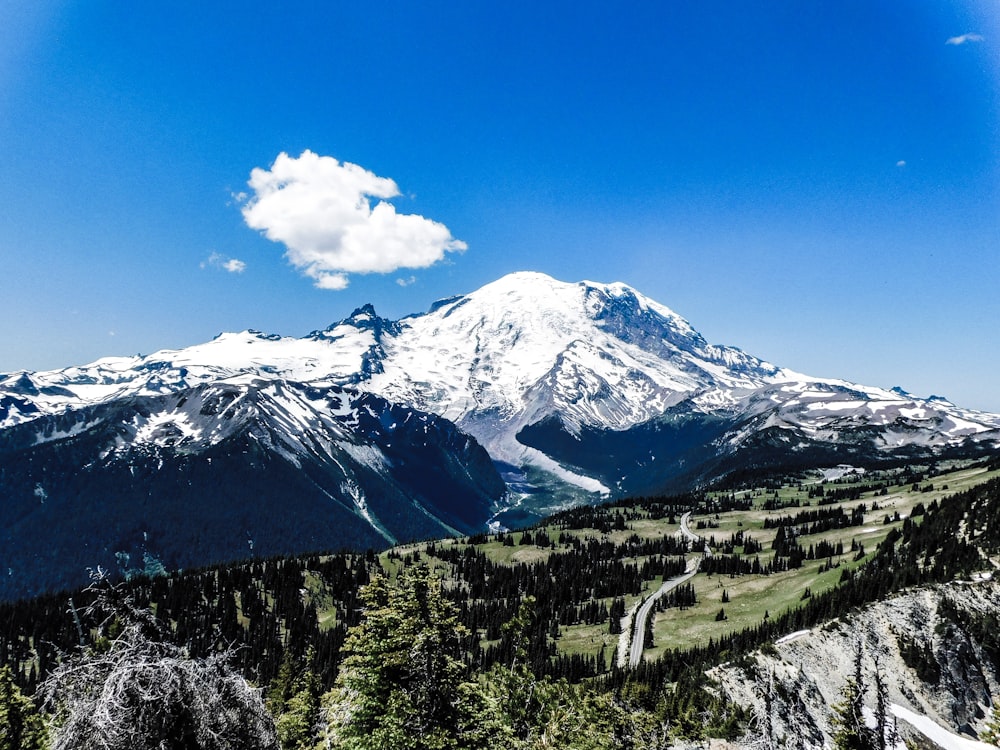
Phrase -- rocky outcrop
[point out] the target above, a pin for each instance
(935, 647)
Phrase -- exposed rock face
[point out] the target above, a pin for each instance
(934, 646)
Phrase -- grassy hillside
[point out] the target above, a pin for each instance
(585, 568)
(783, 554)
(875, 503)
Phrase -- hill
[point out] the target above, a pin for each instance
(586, 569)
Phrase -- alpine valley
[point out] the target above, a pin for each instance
(497, 407)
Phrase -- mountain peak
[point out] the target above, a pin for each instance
(540, 291)
(524, 285)
(365, 312)
(363, 319)
(526, 277)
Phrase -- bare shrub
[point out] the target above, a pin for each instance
(135, 691)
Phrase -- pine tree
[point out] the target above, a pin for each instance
(615, 616)
(299, 718)
(517, 710)
(885, 723)
(21, 727)
(401, 683)
(850, 730)
(515, 685)
(282, 686)
(991, 735)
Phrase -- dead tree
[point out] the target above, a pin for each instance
(134, 690)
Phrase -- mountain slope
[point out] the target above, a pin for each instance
(227, 470)
(939, 673)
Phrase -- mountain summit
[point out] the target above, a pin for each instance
(528, 349)
(543, 373)
(576, 391)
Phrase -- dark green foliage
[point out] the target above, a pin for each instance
(261, 605)
(401, 680)
(850, 731)
(694, 713)
(615, 615)
(737, 565)
(258, 608)
(564, 585)
(294, 698)
(21, 726)
(920, 658)
(647, 632)
(819, 520)
(681, 597)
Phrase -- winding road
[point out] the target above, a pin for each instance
(642, 614)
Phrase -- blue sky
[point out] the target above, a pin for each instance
(817, 183)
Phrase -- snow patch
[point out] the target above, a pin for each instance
(935, 733)
(838, 472)
(792, 637)
(367, 455)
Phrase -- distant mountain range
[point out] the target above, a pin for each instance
(504, 404)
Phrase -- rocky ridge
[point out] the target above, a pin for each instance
(935, 665)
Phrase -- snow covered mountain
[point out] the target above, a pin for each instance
(544, 373)
(517, 349)
(578, 387)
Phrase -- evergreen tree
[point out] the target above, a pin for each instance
(647, 632)
(401, 683)
(298, 721)
(282, 686)
(615, 615)
(520, 711)
(21, 727)
(991, 735)
(850, 730)
(885, 723)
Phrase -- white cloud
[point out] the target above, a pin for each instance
(334, 281)
(901, 163)
(217, 260)
(407, 282)
(319, 209)
(956, 40)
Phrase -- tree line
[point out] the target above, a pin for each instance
(455, 688)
